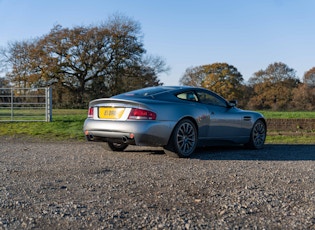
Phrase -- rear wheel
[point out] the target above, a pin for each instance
(117, 146)
(183, 141)
(258, 135)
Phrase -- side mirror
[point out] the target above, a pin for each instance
(233, 103)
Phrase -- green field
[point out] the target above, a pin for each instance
(67, 125)
(288, 115)
(23, 114)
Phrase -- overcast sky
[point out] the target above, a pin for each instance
(248, 34)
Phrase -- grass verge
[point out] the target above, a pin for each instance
(290, 138)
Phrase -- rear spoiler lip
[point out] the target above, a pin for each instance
(112, 102)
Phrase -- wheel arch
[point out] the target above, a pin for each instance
(189, 118)
(263, 120)
(172, 148)
(257, 136)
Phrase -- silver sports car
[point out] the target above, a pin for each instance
(178, 118)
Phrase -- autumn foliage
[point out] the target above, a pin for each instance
(84, 62)
(275, 88)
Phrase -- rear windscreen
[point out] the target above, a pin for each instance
(146, 92)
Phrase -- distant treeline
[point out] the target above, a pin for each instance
(88, 62)
(275, 88)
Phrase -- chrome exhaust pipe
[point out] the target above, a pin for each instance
(89, 137)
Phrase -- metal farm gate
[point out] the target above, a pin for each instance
(25, 104)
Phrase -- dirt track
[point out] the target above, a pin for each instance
(60, 185)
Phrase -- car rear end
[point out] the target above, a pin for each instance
(125, 121)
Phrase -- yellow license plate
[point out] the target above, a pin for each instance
(110, 113)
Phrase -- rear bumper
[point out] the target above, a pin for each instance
(146, 133)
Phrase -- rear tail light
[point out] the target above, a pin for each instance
(91, 112)
(141, 114)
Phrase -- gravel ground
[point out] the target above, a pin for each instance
(79, 185)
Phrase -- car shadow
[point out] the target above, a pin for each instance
(141, 149)
(271, 152)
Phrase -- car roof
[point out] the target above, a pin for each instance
(161, 93)
(154, 91)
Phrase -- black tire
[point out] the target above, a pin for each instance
(184, 138)
(117, 147)
(258, 135)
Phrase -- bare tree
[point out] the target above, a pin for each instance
(18, 61)
(193, 76)
(309, 78)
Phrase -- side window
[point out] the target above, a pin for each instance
(189, 96)
(211, 99)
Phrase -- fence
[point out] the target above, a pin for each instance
(25, 104)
